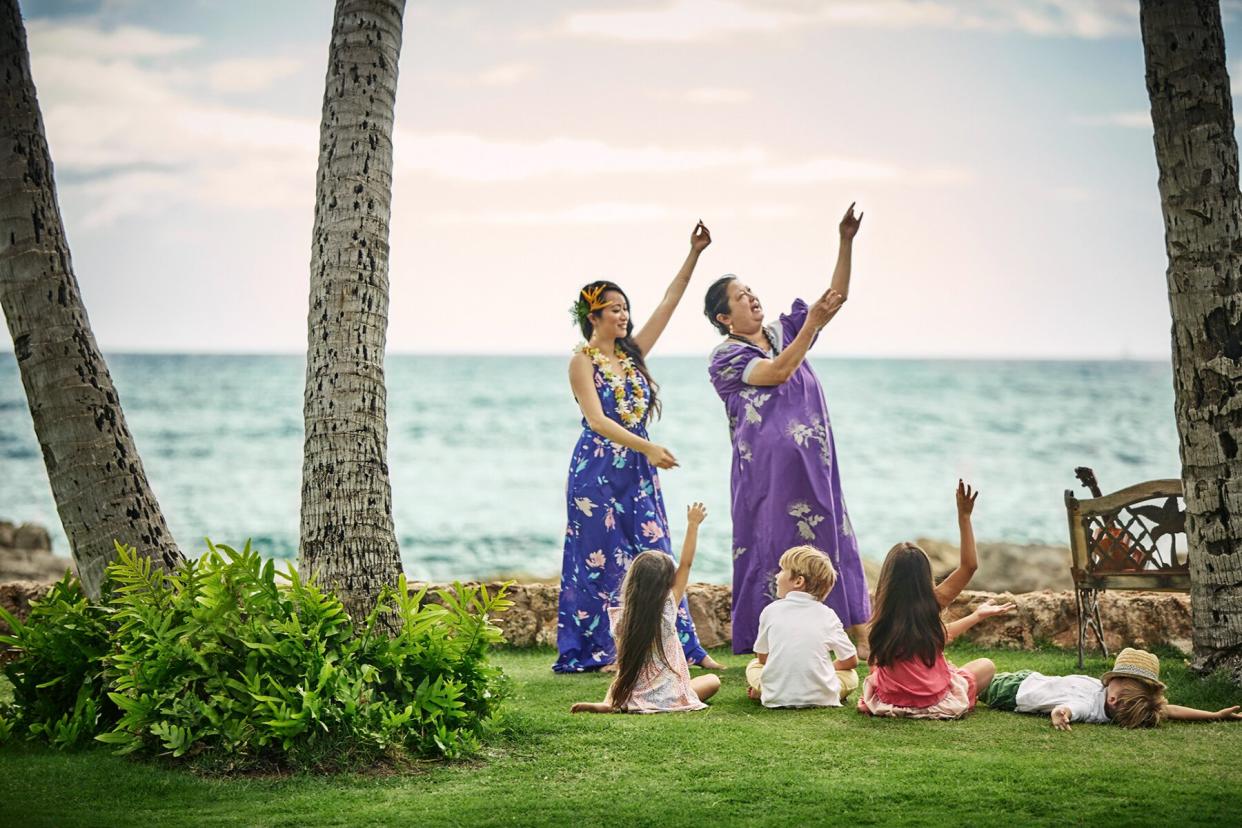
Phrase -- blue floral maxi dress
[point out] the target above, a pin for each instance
(615, 512)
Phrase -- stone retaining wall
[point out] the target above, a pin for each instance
(1130, 618)
(1142, 619)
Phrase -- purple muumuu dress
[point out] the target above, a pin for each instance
(786, 485)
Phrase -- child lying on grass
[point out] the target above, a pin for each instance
(1131, 695)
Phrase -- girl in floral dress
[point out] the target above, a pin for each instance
(652, 675)
(613, 499)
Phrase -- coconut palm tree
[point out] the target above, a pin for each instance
(1197, 155)
(96, 475)
(347, 538)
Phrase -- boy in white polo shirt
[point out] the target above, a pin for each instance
(792, 667)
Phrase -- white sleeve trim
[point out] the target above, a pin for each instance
(750, 366)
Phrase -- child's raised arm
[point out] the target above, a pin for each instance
(951, 586)
(985, 610)
(694, 516)
(1177, 713)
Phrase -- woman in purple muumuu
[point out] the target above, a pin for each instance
(786, 484)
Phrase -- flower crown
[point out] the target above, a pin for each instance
(588, 302)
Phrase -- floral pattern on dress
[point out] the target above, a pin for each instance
(661, 687)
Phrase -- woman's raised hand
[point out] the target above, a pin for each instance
(966, 497)
(660, 457)
(700, 237)
(850, 223)
(825, 308)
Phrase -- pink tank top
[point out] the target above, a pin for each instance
(911, 683)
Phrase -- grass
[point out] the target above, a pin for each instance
(734, 763)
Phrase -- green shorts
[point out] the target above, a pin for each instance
(1002, 693)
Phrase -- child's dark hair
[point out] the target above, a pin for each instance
(625, 344)
(716, 301)
(906, 621)
(646, 588)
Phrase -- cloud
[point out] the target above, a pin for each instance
(141, 135)
(680, 21)
(609, 212)
(706, 95)
(1070, 194)
(598, 213)
(468, 157)
(859, 169)
(83, 39)
(1133, 119)
(506, 74)
(829, 169)
(242, 75)
(704, 20)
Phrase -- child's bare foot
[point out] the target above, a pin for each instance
(609, 668)
(591, 707)
(752, 693)
(709, 663)
(859, 635)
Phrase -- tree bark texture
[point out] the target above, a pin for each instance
(1197, 156)
(96, 476)
(347, 537)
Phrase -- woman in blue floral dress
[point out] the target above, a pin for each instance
(613, 496)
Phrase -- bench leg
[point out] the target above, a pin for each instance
(1082, 625)
(1098, 624)
(1087, 602)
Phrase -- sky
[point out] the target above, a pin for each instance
(1001, 150)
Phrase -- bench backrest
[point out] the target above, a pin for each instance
(1134, 538)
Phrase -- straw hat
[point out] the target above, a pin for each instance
(1135, 664)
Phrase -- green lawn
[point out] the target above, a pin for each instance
(735, 763)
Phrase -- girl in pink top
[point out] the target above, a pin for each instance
(652, 674)
(909, 675)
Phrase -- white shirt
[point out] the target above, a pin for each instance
(797, 632)
(1083, 695)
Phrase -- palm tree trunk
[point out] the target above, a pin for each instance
(347, 538)
(1197, 155)
(97, 479)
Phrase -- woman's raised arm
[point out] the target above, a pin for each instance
(646, 338)
(845, 253)
(780, 368)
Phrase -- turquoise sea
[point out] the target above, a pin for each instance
(479, 449)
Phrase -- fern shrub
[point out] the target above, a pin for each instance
(235, 664)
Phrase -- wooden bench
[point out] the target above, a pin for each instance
(1125, 540)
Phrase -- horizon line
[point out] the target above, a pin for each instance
(933, 357)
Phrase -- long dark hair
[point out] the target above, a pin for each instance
(906, 621)
(716, 301)
(647, 585)
(625, 344)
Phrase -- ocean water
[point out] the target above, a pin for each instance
(479, 449)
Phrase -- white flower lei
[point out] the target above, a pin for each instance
(631, 413)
